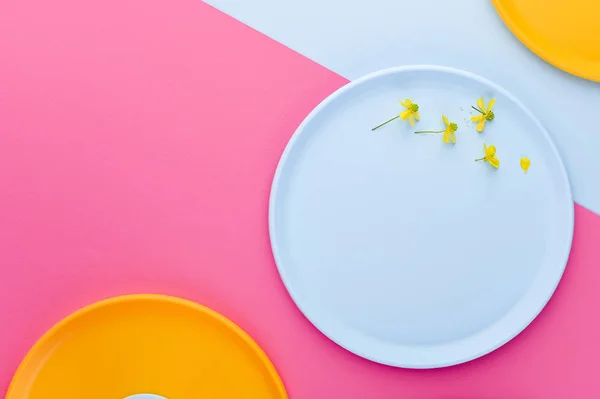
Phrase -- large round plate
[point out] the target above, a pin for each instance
(401, 248)
(146, 344)
(564, 33)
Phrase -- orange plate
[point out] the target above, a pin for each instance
(564, 33)
(146, 344)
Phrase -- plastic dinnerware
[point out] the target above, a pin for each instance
(151, 344)
(400, 247)
(564, 33)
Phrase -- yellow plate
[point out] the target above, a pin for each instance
(564, 33)
(145, 344)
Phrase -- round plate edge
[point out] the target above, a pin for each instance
(523, 38)
(153, 297)
(323, 104)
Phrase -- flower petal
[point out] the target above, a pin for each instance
(477, 118)
(491, 104)
(417, 116)
(404, 114)
(411, 118)
(525, 163)
(453, 137)
(481, 104)
(480, 125)
(490, 151)
(403, 103)
(446, 137)
(495, 162)
(446, 121)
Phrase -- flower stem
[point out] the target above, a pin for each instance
(430, 131)
(388, 121)
(478, 110)
(480, 159)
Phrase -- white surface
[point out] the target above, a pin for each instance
(400, 247)
(354, 38)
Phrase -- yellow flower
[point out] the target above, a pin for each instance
(525, 163)
(451, 127)
(411, 113)
(449, 132)
(490, 156)
(486, 113)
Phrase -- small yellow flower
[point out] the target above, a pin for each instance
(490, 156)
(411, 113)
(449, 132)
(486, 113)
(451, 127)
(525, 163)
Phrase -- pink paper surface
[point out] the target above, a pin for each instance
(138, 140)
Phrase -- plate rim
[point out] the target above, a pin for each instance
(152, 298)
(333, 96)
(535, 48)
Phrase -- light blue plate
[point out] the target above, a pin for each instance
(401, 248)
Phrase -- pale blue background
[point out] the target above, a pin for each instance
(354, 38)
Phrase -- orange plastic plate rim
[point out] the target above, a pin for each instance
(149, 297)
(573, 68)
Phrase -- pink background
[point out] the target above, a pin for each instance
(138, 140)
